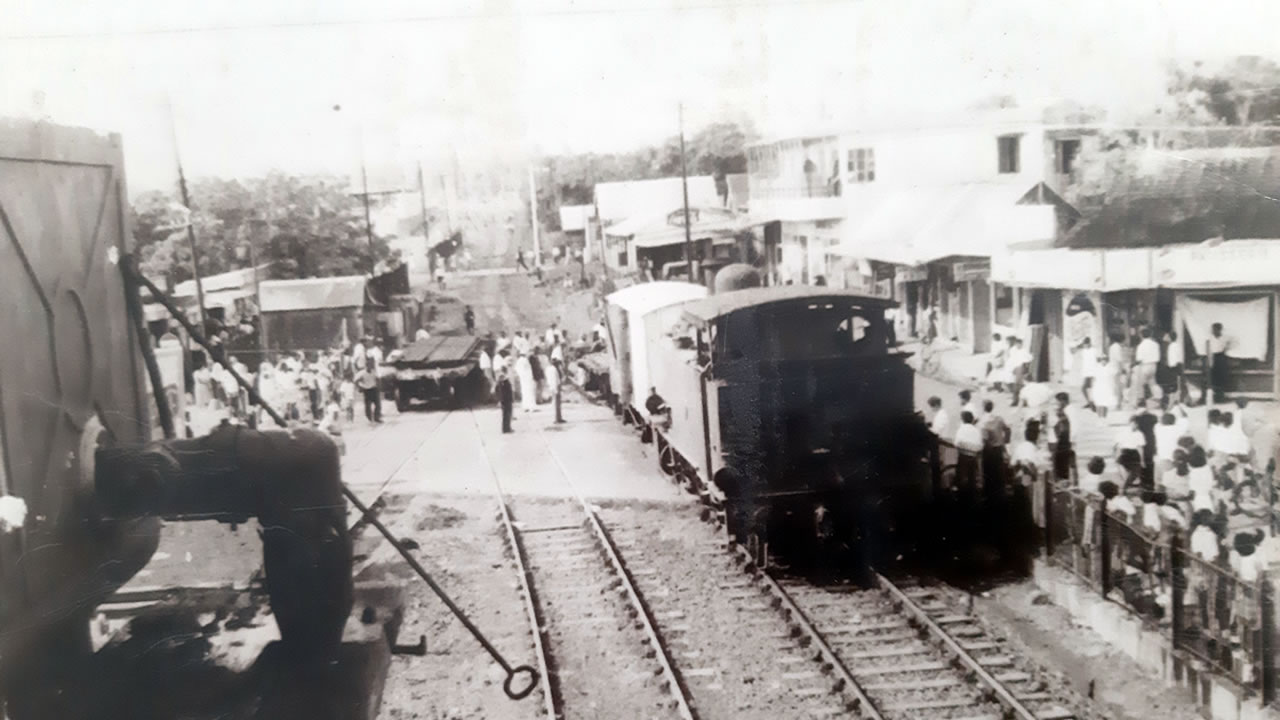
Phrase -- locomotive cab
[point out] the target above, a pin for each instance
(810, 412)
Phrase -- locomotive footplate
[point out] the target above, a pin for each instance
(201, 654)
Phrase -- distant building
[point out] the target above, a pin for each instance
(313, 314)
(1192, 238)
(617, 201)
(658, 240)
(915, 213)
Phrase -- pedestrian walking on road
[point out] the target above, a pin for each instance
(367, 382)
(1146, 360)
(506, 399)
(520, 261)
(469, 317)
(1018, 359)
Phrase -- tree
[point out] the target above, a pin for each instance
(305, 227)
(1243, 91)
(719, 150)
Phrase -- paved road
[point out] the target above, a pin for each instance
(459, 452)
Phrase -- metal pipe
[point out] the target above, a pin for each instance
(134, 307)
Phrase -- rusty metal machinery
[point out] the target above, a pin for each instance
(288, 480)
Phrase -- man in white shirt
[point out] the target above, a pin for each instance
(969, 443)
(551, 335)
(1146, 360)
(1174, 360)
(941, 422)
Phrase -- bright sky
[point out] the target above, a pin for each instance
(254, 83)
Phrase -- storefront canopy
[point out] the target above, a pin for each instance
(667, 228)
(914, 226)
(314, 293)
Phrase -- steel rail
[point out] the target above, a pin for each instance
(865, 706)
(550, 702)
(1002, 693)
(678, 689)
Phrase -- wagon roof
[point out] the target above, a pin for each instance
(710, 308)
(650, 296)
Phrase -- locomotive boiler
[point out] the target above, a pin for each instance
(788, 408)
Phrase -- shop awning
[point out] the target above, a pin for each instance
(917, 225)
(659, 229)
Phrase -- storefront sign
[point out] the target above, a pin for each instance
(1074, 269)
(972, 270)
(912, 274)
(1236, 262)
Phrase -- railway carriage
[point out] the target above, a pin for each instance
(633, 313)
(790, 409)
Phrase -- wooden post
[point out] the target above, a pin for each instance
(1178, 586)
(1208, 375)
(1046, 479)
(1104, 547)
(1266, 638)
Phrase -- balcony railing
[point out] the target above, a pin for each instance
(764, 191)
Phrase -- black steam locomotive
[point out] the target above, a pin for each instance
(785, 406)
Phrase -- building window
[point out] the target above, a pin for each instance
(1065, 152)
(1009, 148)
(862, 165)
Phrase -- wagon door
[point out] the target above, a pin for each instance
(69, 363)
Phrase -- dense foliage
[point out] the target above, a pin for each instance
(303, 226)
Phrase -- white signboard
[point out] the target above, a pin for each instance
(1237, 262)
(1073, 269)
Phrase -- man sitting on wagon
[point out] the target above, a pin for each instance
(659, 412)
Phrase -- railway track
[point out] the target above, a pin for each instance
(915, 652)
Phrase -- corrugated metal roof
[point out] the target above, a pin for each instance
(647, 297)
(715, 306)
(1188, 196)
(313, 293)
(573, 218)
(222, 281)
(620, 200)
(917, 225)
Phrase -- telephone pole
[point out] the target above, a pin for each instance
(684, 186)
(191, 227)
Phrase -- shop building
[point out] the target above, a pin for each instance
(1193, 241)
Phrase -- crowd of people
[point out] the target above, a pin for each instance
(524, 366)
(323, 388)
(1212, 488)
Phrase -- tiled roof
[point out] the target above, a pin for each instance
(1188, 196)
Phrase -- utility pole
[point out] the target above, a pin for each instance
(368, 222)
(191, 228)
(422, 201)
(533, 214)
(684, 186)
